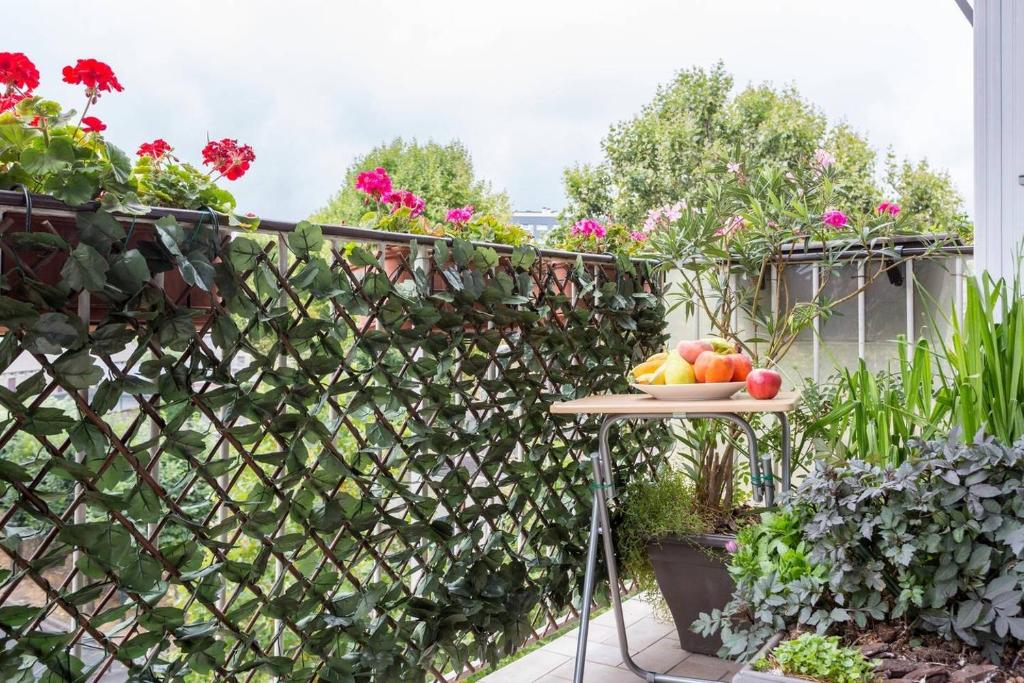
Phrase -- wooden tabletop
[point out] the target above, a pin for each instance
(632, 404)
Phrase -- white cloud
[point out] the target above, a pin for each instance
(530, 87)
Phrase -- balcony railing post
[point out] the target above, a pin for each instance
(861, 295)
(910, 285)
(816, 336)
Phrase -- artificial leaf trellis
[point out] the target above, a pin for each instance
(332, 462)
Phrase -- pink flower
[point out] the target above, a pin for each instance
(589, 228)
(891, 208)
(836, 219)
(375, 183)
(460, 216)
(731, 547)
(733, 167)
(638, 236)
(399, 199)
(663, 215)
(823, 159)
(731, 227)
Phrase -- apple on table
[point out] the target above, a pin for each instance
(763, 384)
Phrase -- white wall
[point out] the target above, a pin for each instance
(998, 133)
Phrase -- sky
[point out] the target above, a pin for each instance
(530, 87)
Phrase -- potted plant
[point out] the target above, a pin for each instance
(670, 543)
(110, 245)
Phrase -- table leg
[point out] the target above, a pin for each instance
(589, 579)
(604, 519)
(787, 449)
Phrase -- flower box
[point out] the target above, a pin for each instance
(46, 265)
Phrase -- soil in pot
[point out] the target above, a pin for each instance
(692, 575)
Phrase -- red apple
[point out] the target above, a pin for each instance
(741, 366)
(763, 384)
(689, 350)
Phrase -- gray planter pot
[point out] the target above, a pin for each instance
(748, 675)
(692, 576)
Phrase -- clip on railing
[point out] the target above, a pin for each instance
(28, 206)
(895, 274)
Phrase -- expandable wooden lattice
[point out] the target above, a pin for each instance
(338, 467)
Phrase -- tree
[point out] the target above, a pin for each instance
(694, 127)
(440, 174)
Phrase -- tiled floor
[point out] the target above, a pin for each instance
(653, 643)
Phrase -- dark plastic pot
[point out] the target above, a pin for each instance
(691, 574)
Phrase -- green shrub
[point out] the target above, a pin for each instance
(819, 658)
(938, 542)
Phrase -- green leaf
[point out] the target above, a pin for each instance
(99, 230)
(58, 155)
(243, 253)
(85, 269)
(129, 272)
(14, 313)
(306, 239)
(120, 163)
(77, 370)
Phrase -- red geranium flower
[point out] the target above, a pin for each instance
(156, 149)
(94, 75)
(91, 124)
(229, 158)
(10, 101)
(18, 72)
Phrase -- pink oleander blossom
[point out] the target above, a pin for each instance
(891, 208)
(460, 216)
(731, 227)
(398, 199)
(823, 159)
(638, 236)
(375, 183)
(663, 215)
(836, 219)
(589, 228)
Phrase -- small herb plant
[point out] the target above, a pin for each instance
(820, 658)
(664, 506)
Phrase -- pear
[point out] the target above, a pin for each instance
(677, 370)
(720, 345)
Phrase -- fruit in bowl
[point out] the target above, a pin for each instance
(714, 361)
(667, 367)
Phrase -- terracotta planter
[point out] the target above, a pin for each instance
(46, 266)
(692, 576)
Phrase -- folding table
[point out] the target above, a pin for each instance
(622, 407)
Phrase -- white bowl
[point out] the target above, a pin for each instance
(711, 391)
